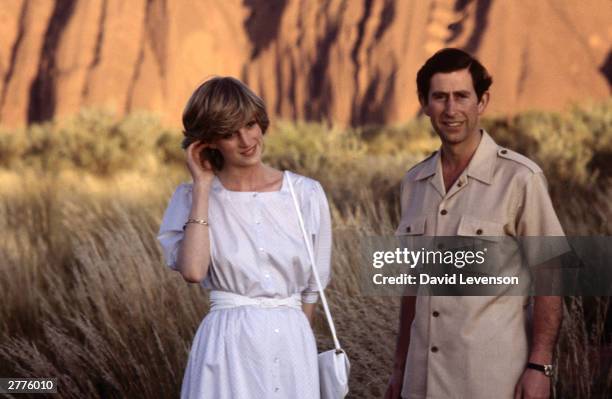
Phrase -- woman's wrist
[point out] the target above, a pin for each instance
(202, 185)
(199, 200)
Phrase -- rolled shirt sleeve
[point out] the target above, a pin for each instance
(320, 228)
(171, 229)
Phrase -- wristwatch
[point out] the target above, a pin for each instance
(547, 369)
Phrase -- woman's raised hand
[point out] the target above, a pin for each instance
(200, 168)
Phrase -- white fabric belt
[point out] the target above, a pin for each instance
(227, 300)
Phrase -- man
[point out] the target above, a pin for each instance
(472, 346)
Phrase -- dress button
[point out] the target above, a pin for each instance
(434, 349)
(443, 212)
(435, 313)
(479, 232)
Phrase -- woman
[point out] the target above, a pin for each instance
(235, 231)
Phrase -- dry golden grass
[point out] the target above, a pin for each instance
(86, 298)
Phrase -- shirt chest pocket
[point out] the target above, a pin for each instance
(414, 226)
(484, 237)
(483, 229)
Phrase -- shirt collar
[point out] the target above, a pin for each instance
(480, 166)
(429, 168)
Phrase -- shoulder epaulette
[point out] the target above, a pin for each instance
(521, 159)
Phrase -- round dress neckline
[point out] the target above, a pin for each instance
(283, 187)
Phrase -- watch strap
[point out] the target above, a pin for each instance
(547, 369)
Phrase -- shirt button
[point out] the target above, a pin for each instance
(435, 313)
(277, 330)
(434, 349)
(266, 275)
(261, 249)
(504, 151)
(276, 389)
(479, 232)
(443, 212)
(459, 184)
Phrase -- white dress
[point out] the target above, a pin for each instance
(257, 250)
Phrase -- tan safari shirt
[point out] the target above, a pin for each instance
(472, 346)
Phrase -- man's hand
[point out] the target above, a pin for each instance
(394, 387)
(547, 315)
(533, 384)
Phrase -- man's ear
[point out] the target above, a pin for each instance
(484, 101)
(422, 101)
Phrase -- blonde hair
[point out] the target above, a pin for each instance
(220, 106)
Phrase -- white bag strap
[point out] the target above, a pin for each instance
(330, 321)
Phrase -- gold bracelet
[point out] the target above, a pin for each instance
(198, 221)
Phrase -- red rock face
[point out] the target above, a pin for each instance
(352, 62)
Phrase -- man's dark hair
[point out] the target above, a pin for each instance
(450, 60)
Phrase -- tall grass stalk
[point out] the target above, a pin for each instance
(86, 298)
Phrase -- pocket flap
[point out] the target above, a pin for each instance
(487, 230)
(412, 227)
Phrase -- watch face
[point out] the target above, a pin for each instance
(548, 370)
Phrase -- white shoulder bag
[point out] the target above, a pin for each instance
(334, 365)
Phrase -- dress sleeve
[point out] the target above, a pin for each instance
(171, 229)
(322, 236)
